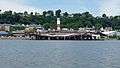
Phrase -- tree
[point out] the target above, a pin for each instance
(0, 15)
(46, 25)
(57, 13)
(86, 14)
(77, 15)
(0, 11)
(25, 13)
(65, 14)
(98, 26)
(104, 16)
(51, 13)
(48, 19)
(44, 13)
(88, 24)
(31, 13)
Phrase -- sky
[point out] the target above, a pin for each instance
(95, 7)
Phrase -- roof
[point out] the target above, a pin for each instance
(3, 33)
(5, 24)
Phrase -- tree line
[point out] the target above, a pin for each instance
(48, 19)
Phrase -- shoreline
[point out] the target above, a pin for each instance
(14, 38)
(23, 38)
(32, 38)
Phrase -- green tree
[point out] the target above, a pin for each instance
(58, 13)
(44, 13)
(51, 13)
(65, 14)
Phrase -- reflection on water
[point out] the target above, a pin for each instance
(59, 54)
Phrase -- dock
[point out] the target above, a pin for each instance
(64, 35)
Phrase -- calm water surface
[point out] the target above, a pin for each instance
(59, 54)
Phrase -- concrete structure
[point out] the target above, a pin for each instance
(58, 24)
(97, 36)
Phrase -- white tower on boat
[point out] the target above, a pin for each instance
(58, 24)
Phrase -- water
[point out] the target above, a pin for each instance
(59, 54)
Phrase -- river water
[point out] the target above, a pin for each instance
(59, 54)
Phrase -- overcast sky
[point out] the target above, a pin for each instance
(95, 7)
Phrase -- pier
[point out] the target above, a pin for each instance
(66, 36)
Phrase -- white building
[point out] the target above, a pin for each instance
(5, 27)
(65, 29)
(109, 33)
(39, 29)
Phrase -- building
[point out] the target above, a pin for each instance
(18, 33)
(109, 33)
(5, 27)
(40, 29)
(65, 29)
(3, 33)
